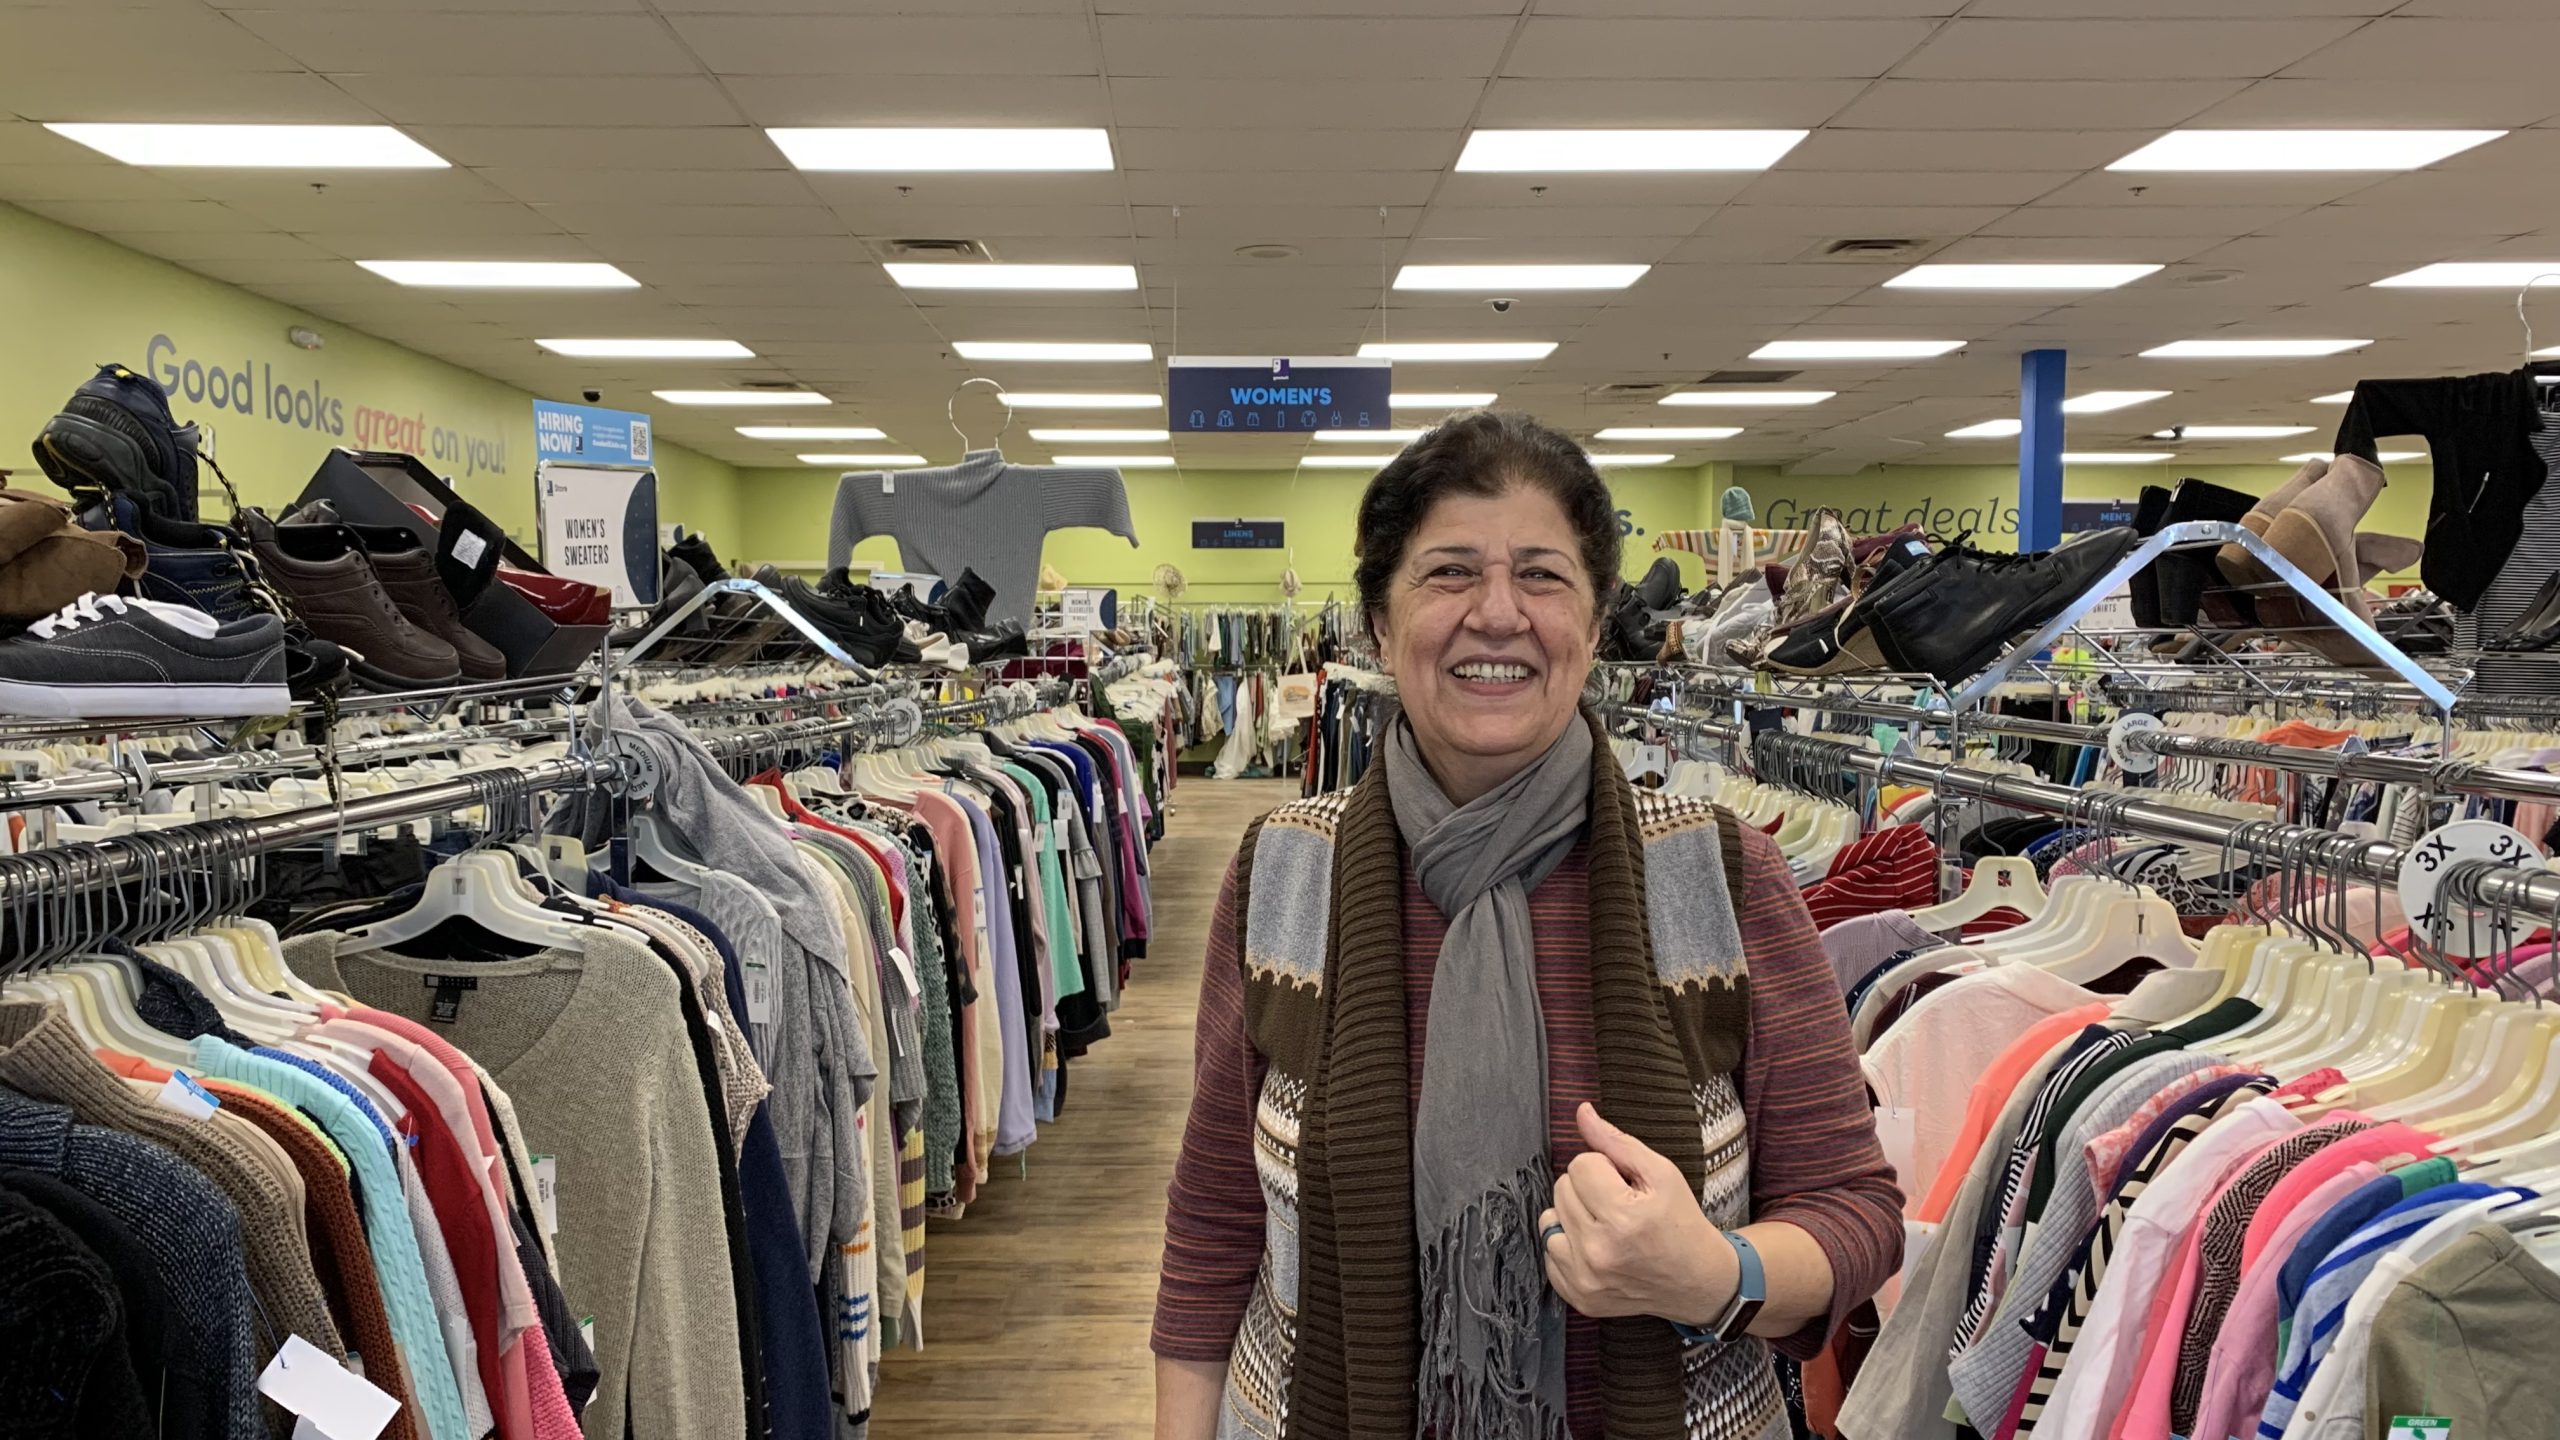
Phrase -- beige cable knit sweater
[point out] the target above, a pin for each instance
(592, 1050)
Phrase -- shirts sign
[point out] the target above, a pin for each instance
(1216, 394)
(590, 435)
(601, 526)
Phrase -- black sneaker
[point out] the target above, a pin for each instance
(694, 553)
(110, 657)
(1005, 642)
(206, 567)
(1953, 616)
(871, 640)
(964, 602)
(1660, 587)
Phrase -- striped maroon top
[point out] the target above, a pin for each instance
(1815, 1162)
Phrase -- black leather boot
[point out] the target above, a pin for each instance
(2184, 575)
(2145, 585)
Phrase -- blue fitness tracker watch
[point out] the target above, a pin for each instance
(1750, 1291)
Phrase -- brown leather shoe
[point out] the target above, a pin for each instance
(324, 571)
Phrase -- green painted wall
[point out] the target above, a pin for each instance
(786, 521)
(785, 513)
(70, 301)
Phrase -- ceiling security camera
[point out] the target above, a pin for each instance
(1501, 307)
(592, 395)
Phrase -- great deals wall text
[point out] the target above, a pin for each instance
(253, 389)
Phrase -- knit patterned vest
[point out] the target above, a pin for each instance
(1326, 1350)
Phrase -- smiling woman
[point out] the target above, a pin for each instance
(1400, 1209)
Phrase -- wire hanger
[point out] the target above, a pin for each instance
(950, 412)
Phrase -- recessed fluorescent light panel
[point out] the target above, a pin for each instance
(2335, 397)
(1560, 151)
(2018, 277)
(2099, 402)
(1987, 430)
(257, 147)
(1079, 400)
(1498, 279)
(2385, 456)
(1014, 277)
(1345, 462)
(812, 432)
(1598, 458)
(1100, 437)
(1668, 432)
(1423, 350)
(742, 397)
(2231, 432)
(861, 459)
(2116, 457)
(1367, 437)
(1744, 399)
(2464, 275)
(1117, 462)
(2302, 149)
(1855, 349)
(2249, 349)
(1053, 350)
(648, 349)
(503, 274)
(918, 150)
(1440, 399)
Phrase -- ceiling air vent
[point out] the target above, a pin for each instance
(1628, 390)
(928, 246)
(1750, 377)
(1871, 248)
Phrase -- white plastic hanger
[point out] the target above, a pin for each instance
(482, 888)
(1998, 881)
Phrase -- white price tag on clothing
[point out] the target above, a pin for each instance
(546, 1193)
(759, 993)
(587, 1332)
(181, 1093)
(888, 484)
(978, 910)
(906, 968)
(2421, 1427)
(1898, 1133)
(326, 1398)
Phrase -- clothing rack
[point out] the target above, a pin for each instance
(2379, 862)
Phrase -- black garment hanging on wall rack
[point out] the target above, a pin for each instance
(2481, 430)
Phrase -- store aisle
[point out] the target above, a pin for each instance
(1037, 1303)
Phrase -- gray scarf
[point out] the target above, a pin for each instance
(1492, 1361)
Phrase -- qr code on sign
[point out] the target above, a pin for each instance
(639, 439)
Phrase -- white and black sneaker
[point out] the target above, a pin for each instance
(114, 656)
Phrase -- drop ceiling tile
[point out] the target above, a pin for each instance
(2525, 154)
(2100, 249)
(2473, 102)
(2187, 49)
(998, 322)
(37, 86)
(944, 192)
(2516, 215)
(1235, 225)
(140, 217)
(1838, 149)
(2470, 52)
(2043, 105)
(2107, 220)
(347, 190)
(1713, 49)
(312, 215)
(1327, 48)
(1001, 224)
(698, 147)
(1248, 187)
(2385, 253)
(589, 218)
(1481, 250)
(377, 243)
(563, 185)
(646, 245)
(2180, 9)
(1401, 9)
(592, 100)
(1284, 149)
(1856, 221)
(1504, 222)
(1185, 102)
(559, 6)
(975, 47)
(484, 43)
(902, 99)
(1889, 187)
(21, 182)
(873, 8)
(1736, 103)
(264, 247)
(36, 40)
(2207, 191)
(1561, 192)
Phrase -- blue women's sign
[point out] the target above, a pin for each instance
(1251, 394)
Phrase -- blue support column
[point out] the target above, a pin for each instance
(2040, 381)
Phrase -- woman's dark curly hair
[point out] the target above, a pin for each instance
(1482, 453)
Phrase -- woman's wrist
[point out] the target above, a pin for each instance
(1702, 1295)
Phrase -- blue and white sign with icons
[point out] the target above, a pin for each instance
(1252, 394)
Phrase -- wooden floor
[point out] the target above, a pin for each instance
(1037, 1302)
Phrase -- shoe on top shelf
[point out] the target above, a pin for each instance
(1954, 615)
(113, 657)
(872, 638)
(322, 569)
(207, 567)
(407, 570)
